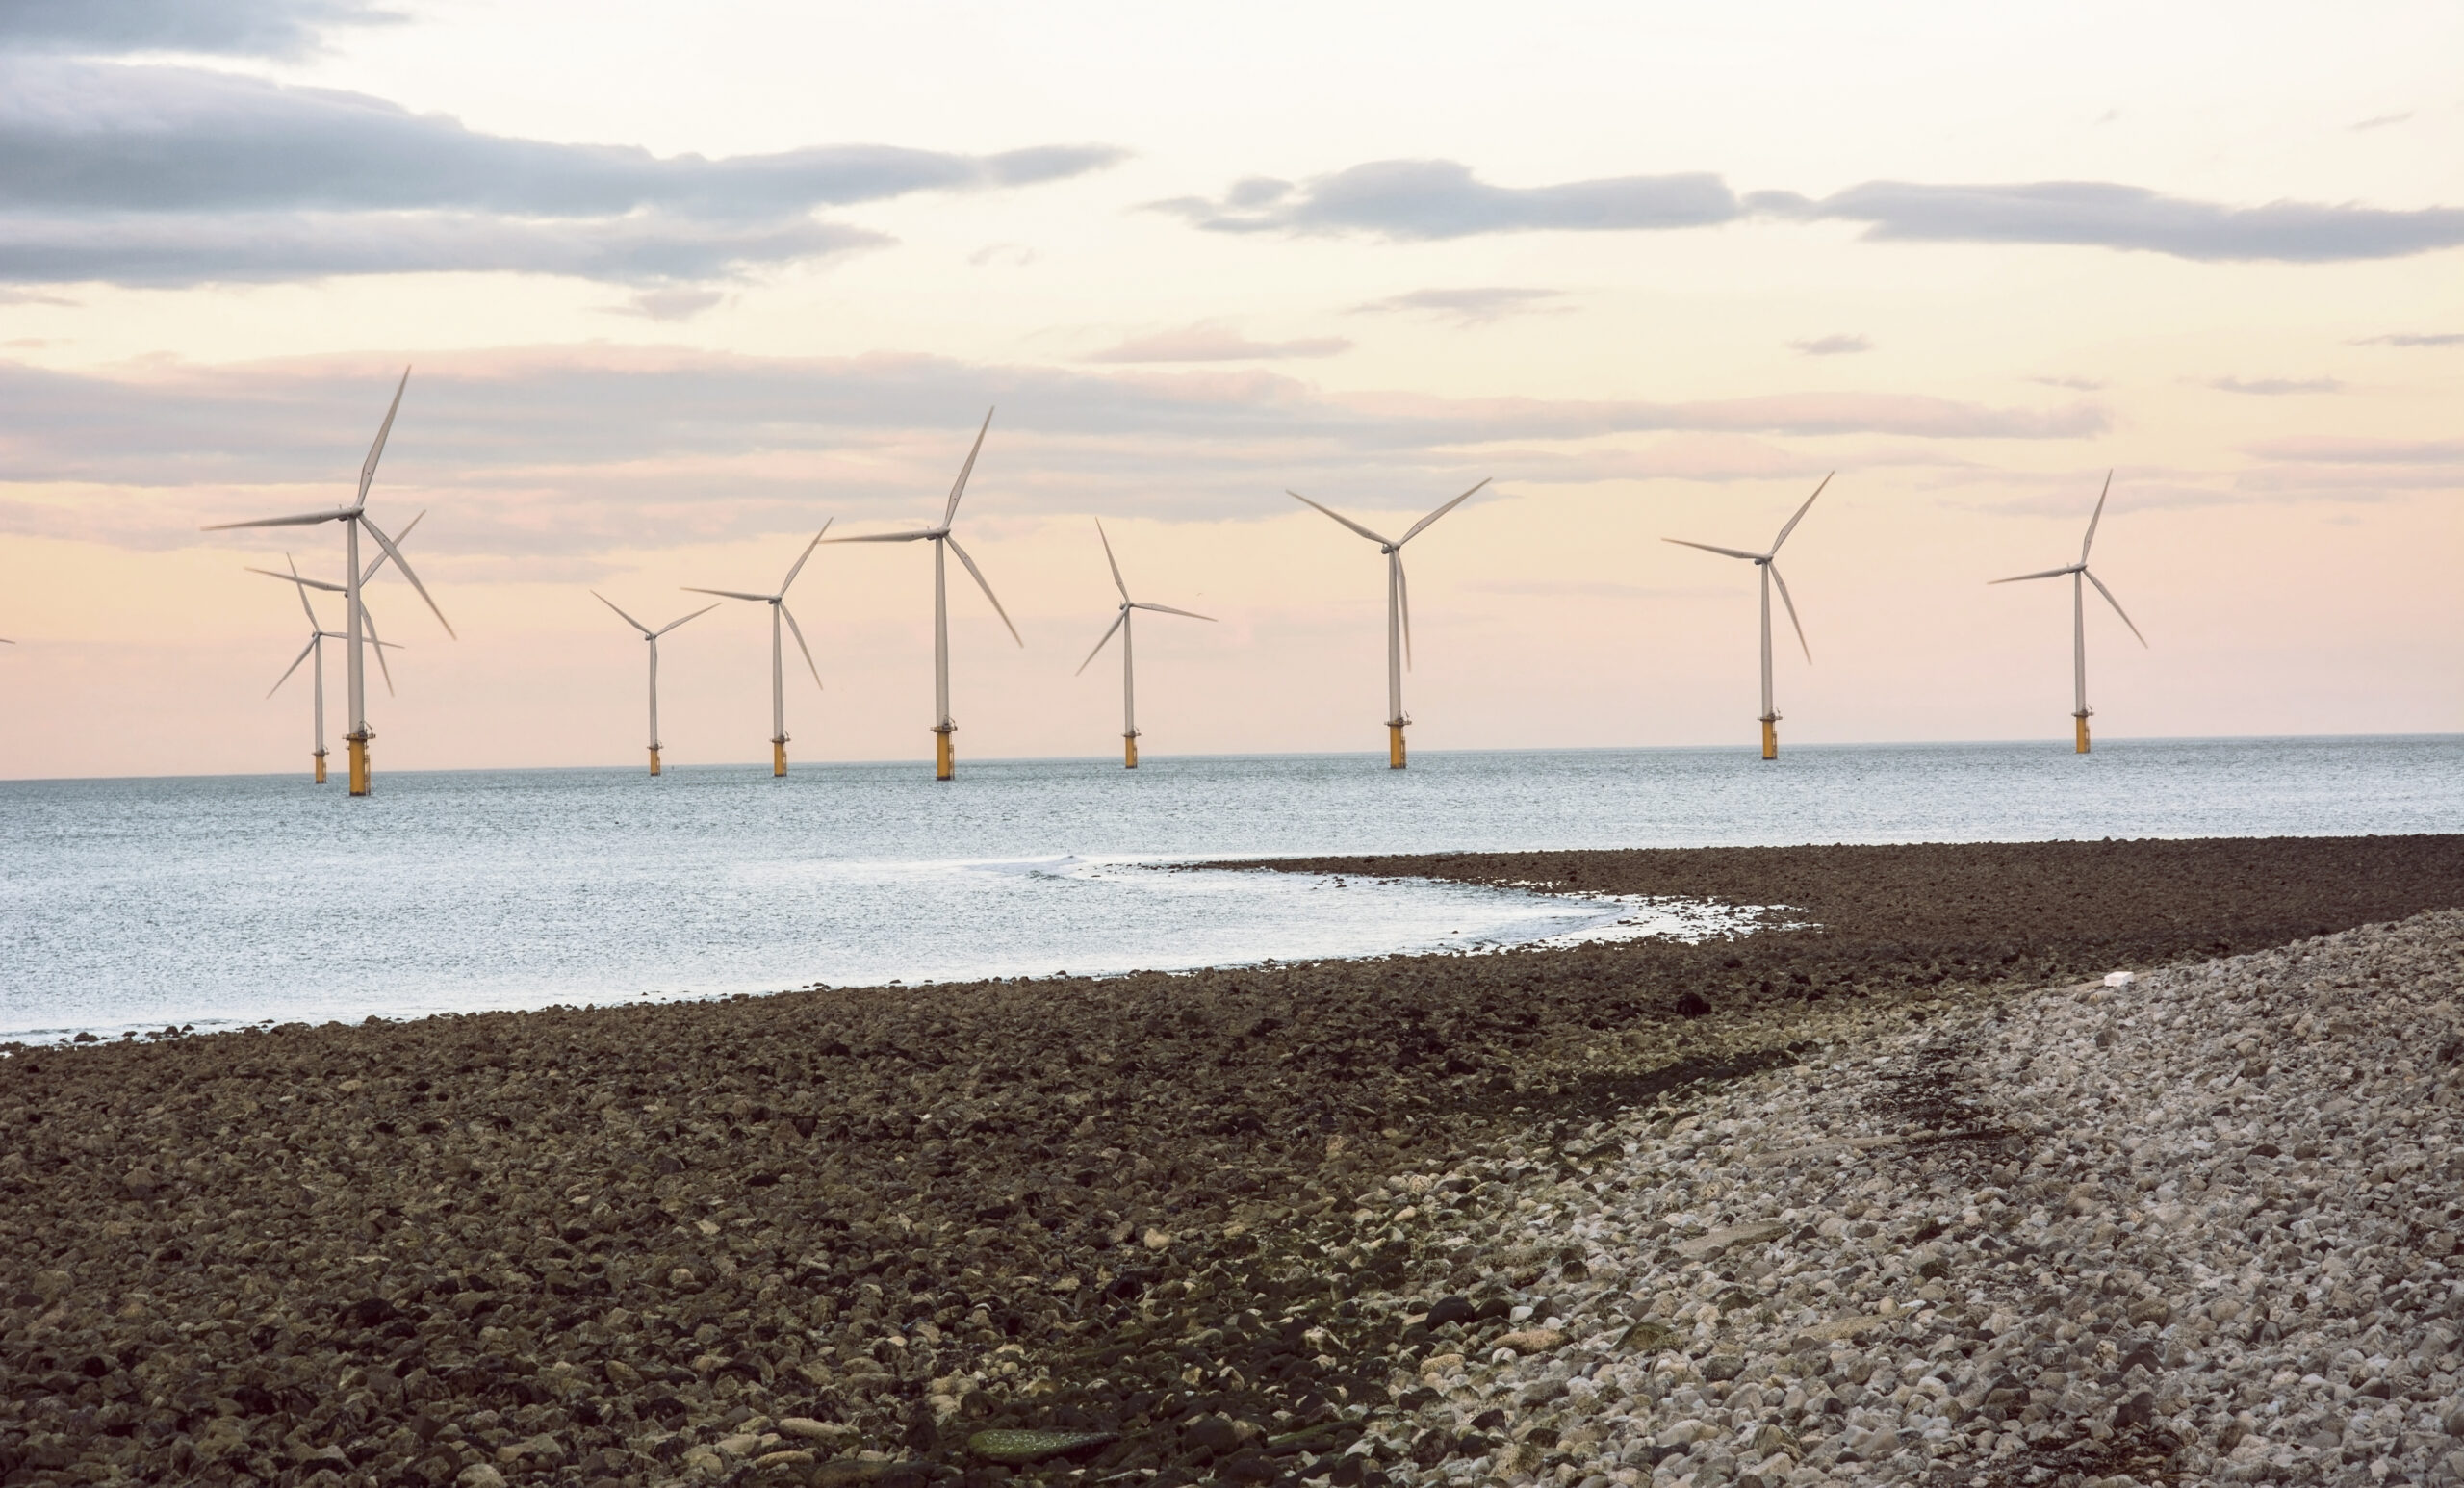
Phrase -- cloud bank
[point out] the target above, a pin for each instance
(232, 28)
(1441, 198)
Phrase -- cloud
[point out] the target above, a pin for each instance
(2414, 339)
(2074, 384)
(2275, 387)
(1440, 198)
(232, 28)
(2383, 120)
(166, 175)
(2318, 449)
(669, 304)
(1213, 342)
(1474, 305)
(1837, 344)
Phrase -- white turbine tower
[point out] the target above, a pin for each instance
(779, 611)
(353, 518)
(1128, 663)
(1770, 576)
(944, 755)
(1399, 612)
(652, 636)
(2079, 613)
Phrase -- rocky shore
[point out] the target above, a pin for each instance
(1446, 1217)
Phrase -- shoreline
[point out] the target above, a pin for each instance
(759, 1238)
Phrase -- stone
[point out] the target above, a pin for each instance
(1532, 1341)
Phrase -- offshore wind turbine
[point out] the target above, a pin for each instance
(1128, 666)
(318, 635)
(1399, 612)
(2079, 613)
(779, 611)
(944, 755)
(652, 636)
(353, 518)
(1770, 576)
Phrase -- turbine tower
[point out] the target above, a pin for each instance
(1399, 612)
(317, 635)
(652, 636)
(1128, 665)
(353, 518)
(779, 611)
(944, 757)
(1770, 576)
(2079, 613)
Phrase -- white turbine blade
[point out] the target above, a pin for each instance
(294, 667)
(627, 618)
(370, 621)
(1119, 620)
(1801, 513)
(1792, 610)
(377, 450)
(800, 643)
(293, 578)
(1340, 517)
(1166, 609)
(729, 594)
(303, 520)
(380, 560)
(672, 623)
(985, 587)
(1403, 592)
(788, 582)
(403, 564)
(1726, 552)
(950, 513)
(2051, 573)
(1440, 512)
(882, 537)
(299, 587)
(1109, 558)
(2095, 517)
(2116, 603)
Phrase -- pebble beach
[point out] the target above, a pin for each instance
(1896, 1189)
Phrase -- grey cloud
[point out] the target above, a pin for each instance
(1837, 344)
(1441, 198)
(235, 28)
(2074, 384)
(2275, 387)
(2383, 121)
(2414, 339)
(1212, 341)
(669, 304)
(1471, 305)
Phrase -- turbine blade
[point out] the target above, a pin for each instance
(303, 520)
(295, 577)
(1440, 512)
(1801, 513)
(885, 537)
(2095, 517)
(729, 594)
(2051, 573)
(950, 513)
(1340, 517)
(370, 621)
(1403, 590)
(294, 667)
(1729, 552)
(377, 450)
(800, 643)
(672, 623)
(1119, 620)
(788, 582)
(399, 562)
(380, 561)
(985, 587)
(1115, 562)
(2116, 603)
(1792, 610)
(627, 618)
(1170, 610)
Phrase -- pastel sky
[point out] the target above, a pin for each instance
(677, 283)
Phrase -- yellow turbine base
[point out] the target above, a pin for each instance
(321, 767)
(653, 760)
(1770, 738)
(2081, 719)
(944, 761)
(777, 756)
(358, 765)
(1129, 752)
(1394, 746)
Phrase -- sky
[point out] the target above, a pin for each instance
(676, 286)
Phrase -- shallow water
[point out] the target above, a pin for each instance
(212, 900)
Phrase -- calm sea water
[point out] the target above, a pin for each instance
(216, 901)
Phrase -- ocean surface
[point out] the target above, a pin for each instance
(218, 901)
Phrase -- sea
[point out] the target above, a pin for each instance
(210, 902)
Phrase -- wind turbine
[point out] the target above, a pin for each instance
(2079, 612)
(944, 763)
(1770, 576)
(1128, 667)
(1399, 612)
(779, 610)
(652, 636)
(353, 518)
(317, 635)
